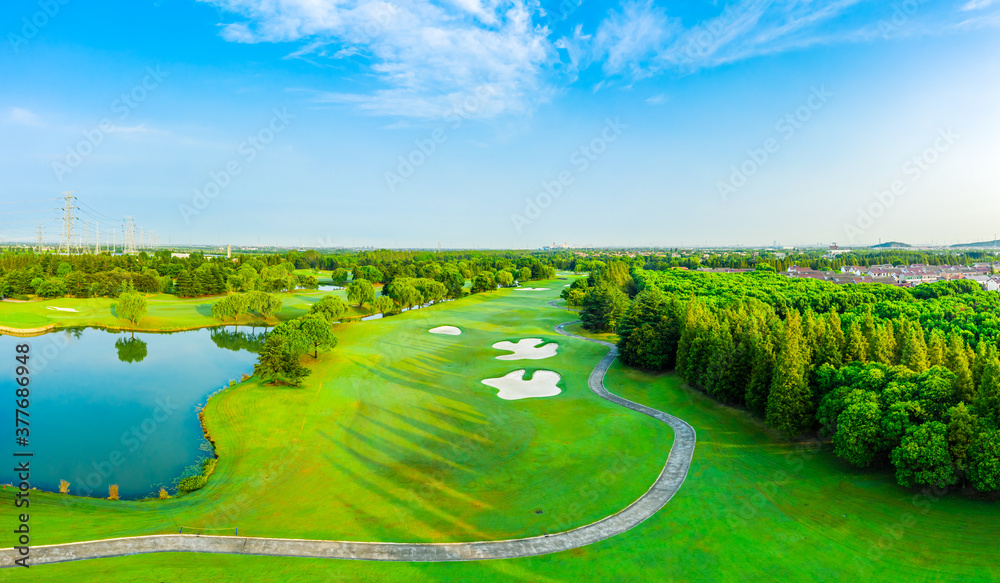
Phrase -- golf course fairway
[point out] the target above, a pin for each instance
(393, 438)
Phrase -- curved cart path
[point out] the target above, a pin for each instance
(662, 490)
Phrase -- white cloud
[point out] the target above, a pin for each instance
(428, 57)
(657, 99)
(136, 129)
(627, 39)
(20, 115)
(488, 58)
(978, 4)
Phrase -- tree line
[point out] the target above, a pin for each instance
(901, 380)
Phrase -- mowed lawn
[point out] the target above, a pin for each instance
(394, 438)
(165, 312)
(754, 507)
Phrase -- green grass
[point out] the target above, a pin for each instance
(393, 412)
(165, 311)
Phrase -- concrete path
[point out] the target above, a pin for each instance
(662, 490)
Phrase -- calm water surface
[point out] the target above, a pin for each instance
(112, 408)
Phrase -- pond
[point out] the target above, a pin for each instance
(113, 408)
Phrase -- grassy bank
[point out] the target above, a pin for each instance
(165, 312)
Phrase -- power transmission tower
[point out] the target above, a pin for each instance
(40, 237)
(86, 236)
(97, 237)
(69, 222)
(129, 236)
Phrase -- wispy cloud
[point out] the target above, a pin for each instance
(428, 57)
(488, 58)
(22, 116)
(978, 4)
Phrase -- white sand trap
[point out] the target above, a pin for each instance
(544, 383)
(449, 330)
(531, 289)
(527, 349)
(61, 309)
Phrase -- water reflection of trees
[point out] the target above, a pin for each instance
(131, 349)
(235, 340)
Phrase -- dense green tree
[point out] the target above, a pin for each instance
(859, 428)
(936, 349)
(330, 307)
(382, 305)
(317, 330)
(131, 306)
(914, 355)
(278, 362)
(958, 362)
(604, 308)
(762, 375)
(789, 402)
(360, 292)
(984, 462)
(483, 282)
(961, 433)
(831, 349)
(988, 398)
(855, 344)
(922, 459)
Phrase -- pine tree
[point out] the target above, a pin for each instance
(988, 398)
(936, 348)
(957, 362)
(984, 353)
(883, 345)
(901, 333)
(914, 355)
(789, 404)
(762, 374)
(185, 284)
(856, 347)
(831, 349)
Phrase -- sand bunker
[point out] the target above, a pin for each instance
(527, 349)
(61, 309)
(544, 383)
(449, 330)
(531, 289)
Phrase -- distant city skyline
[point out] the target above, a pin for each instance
(504, 124)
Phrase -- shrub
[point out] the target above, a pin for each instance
(113, 492)
(63, 487)
(191, 484)
(164, 494)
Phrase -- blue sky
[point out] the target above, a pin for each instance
(488, 123)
